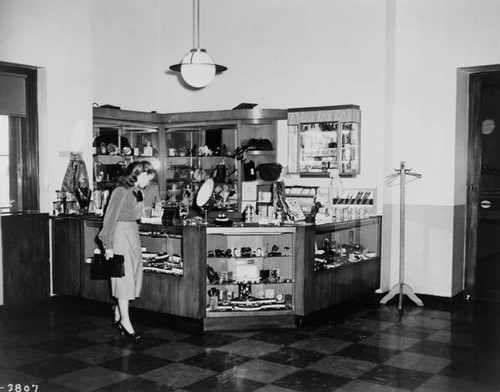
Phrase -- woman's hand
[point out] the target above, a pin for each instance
(109, 254)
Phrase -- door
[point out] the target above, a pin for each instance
(482, 266)
(488, 227)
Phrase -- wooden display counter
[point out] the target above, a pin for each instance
(238, 277)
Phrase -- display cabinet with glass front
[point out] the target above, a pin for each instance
(220, 145)
(345, 243)
(120, 137)
(194, 154)
(249, 271)
(161, 251)
(324, 138)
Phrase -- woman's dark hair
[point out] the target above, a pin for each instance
(133, 170)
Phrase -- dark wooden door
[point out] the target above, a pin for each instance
(478, 78)
(487, 270)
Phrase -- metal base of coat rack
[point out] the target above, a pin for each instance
(404, 176)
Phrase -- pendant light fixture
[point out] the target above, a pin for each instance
(197, 67)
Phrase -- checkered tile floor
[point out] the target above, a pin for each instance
(68, 344)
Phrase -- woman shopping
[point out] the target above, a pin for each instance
(120, 235)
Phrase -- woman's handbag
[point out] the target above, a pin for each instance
(269, 171)
(220, 173)
(249, 173)
(100, 268)
(253, 144)
(260, 144)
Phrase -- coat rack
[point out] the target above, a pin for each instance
(402, 288)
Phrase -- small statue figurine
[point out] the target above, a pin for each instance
(83, 193)
(204, 151)
(336, 188)
(225, 194)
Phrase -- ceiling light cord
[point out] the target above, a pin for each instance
(197, 24)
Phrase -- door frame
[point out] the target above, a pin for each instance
(473, 79)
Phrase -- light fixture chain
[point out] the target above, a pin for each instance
(197, 24)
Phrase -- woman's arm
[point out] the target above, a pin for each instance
(110, 218)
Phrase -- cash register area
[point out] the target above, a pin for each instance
(68, 344)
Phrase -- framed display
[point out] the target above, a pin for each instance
(325, 138)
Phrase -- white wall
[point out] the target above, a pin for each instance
(126, 65)
(54, 35)
(434, 39)
(398, 60)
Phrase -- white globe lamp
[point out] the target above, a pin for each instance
(197, 67)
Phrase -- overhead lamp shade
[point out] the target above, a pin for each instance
(197, 68)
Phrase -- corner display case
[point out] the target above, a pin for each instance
(186, 148)
(324, 138)
(202, 145)
(250, 272)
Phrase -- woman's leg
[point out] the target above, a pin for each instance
(125, 319)
(116, 310)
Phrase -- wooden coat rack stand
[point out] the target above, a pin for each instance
(402, 288)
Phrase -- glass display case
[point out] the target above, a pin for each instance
(324, 138)
(120, 137)
(186, 149)
(196, 153)
(162, 251)
(249, 270)
(345, 243)
(116, 147)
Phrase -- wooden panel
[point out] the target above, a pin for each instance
(344, 283)
(66, 255)
(259, 321)
(26, 268)
(97, 290)
(117, 115)
(304, 267)
(248, 115)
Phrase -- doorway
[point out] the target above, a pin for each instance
(482, 264)
(488, 230)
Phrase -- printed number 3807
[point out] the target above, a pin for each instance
(21, 388)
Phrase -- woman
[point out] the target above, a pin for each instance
(120, 235)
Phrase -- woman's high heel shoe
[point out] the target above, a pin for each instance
(132, 336)
(114, 322)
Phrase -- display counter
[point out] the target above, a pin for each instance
(25, 256)
(231, 277)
